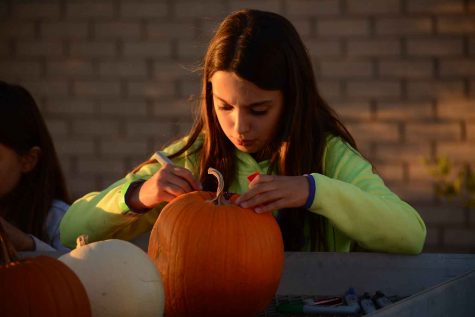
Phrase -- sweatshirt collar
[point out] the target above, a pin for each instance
(245, 159)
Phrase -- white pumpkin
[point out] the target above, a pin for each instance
(119, 277)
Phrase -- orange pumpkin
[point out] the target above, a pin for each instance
(215, 258)
(38, 286)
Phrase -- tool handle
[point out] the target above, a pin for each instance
(162, 158)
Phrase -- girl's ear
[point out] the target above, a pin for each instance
(30, 159)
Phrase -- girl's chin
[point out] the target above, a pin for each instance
(245, 149)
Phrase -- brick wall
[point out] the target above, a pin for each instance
(115, 80)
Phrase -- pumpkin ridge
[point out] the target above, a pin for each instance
(205, 235)
(49, 274)
(17, 278)
(164, 250)
(39, 290)
(183, 214)
(76, 297)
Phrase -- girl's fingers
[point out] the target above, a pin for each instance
(188, 176)
(168, 189)
(275, 205)
(179, 175)
(260, 199)
(267, 192)
(259, 185)
(174, 190)
(260, 179)
(165, 196)
(177, 181)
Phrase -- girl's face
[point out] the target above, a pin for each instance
(13, 166)
(10, 169)
(247, 114)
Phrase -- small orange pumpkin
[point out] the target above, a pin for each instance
(216, 258)
(38, 286)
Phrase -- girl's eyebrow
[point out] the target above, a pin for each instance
(257, 103)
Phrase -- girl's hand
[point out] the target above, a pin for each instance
(271, 192)
(167, 183)
(20, 240)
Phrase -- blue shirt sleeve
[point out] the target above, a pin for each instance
(55, 214)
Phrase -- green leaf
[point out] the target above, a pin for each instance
(444, 166)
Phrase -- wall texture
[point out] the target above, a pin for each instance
(117, 79)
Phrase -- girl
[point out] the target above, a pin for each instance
(261, 111)
(33, 194)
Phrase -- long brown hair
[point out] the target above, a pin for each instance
(265, 49)
(21, 128)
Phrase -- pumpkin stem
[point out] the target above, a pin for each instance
(8, 253)
(81, 240)
(219, 199)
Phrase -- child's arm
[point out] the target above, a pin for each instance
(40, 245)
(20, 240)
(358, 203)
(352, 197)
(105, 215)
(28, 242)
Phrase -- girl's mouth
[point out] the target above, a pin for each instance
(245, 143)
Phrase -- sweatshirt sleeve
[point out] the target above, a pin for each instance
(104, 215)
(55, 214)
(358, 203)
(41, 245)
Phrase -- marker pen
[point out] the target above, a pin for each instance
(381, 300)
(367, 304)
(161, 158)
(328, 301)
(352, 306)
(351, 298)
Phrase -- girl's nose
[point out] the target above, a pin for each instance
(241, 123)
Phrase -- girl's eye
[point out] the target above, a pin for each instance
(225, 107)
(258, 111)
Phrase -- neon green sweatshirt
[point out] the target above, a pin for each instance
(359, 208)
